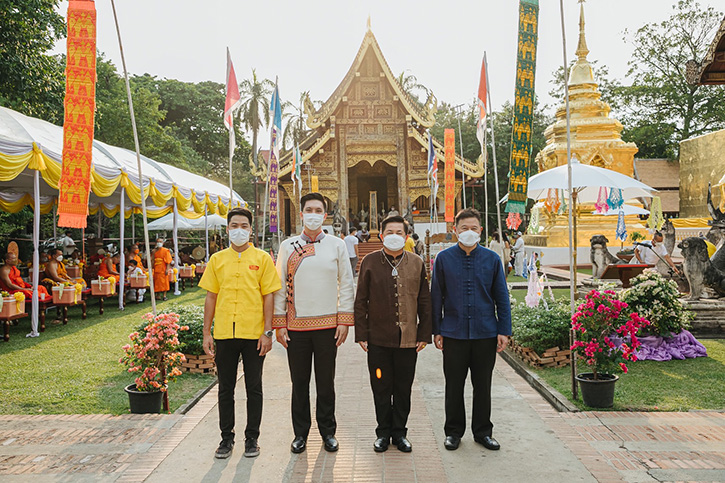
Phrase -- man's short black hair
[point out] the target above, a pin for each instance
(658, 234)
(239, 212)
(311, 197)
(353, 229)
(394, 219)
(415, 236)
(468, 213)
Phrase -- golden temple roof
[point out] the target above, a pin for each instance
(712, 69)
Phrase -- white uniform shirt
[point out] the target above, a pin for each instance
(350, 242)
(649, 254)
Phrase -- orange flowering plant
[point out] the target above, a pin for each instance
(153, 352)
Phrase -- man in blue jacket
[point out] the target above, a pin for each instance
(471, 322)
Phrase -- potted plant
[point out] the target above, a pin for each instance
(600, 317)
(541, 334)
(628, 254)
(154, 357)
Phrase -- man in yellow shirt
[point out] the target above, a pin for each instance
(409, 242)
(240, 282)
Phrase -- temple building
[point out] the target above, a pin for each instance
(701, 158)
(596, 139)
(368, 143)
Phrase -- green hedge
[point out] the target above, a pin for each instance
(541, 328)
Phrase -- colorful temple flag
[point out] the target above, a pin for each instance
(80, 104)
(275, 114)
(432, 168)
(482, 107)
(233, 100)
(523, 106)
(450, 174)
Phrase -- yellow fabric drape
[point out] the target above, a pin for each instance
(690, 223)
(27, 200)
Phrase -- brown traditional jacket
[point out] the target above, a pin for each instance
(392, 311)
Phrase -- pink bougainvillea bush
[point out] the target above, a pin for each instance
(595, 322)
(153, 352)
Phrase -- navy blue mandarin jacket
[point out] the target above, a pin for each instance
(469, 294)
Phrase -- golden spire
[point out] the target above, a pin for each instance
(582, 50)
(369, 27)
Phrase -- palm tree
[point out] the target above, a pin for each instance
(295, 128)
(409, 83)
(255, 95)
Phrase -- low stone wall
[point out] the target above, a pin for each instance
(709, 317)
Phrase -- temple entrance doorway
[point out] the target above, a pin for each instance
(363, 179)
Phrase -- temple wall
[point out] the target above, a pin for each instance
(702, 161)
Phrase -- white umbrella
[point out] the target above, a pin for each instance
(583, 177)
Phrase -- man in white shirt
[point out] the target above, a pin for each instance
(67, 244)
(351, 242)
(519, 250)
(648, 254)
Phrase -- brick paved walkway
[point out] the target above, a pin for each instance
(537, 442)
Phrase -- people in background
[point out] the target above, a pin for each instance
(135, 270)
(419, 247)
(351, 242)
(471, 322)
(108, 267)
(67, 244)
(409, 242)
(519, 251)
(162, 264)
(650, 253)
(498, 248)
(11, 281)
(55, 272)
(392, 326)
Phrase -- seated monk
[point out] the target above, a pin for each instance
(55, 272)
(108, 267)
(11, 281)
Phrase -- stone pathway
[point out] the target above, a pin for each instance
(538, 443)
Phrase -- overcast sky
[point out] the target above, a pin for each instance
(311, 44)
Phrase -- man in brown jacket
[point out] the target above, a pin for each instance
(392, 324)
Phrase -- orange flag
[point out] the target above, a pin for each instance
(450, 180)
(80, 105)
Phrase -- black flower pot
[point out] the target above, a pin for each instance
(597, 393)
(142, 402)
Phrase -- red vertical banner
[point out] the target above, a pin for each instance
(80, 105)
(450, 173)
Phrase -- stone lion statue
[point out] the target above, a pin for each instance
(699, 270)
(600, 255)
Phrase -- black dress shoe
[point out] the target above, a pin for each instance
(452, 442)
(330, 443)
(299, 444)
(403, 445)
(488, 442)
(381, 445)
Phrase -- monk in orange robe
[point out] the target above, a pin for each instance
(108, 267)
(162, 261)
(11, 281)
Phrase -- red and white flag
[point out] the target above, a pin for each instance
(234, 100)
(482, 106)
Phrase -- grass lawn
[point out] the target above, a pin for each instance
(74, 369)
(661, 386)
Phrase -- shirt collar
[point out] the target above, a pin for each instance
(461, 251)
(307, 239)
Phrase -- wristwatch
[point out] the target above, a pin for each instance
(269, 333)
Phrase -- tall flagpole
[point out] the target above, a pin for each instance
(140, 175)
(493, 150)
(463, 171)
(231, 155)
(572, 247)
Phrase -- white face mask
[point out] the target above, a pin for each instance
(394, 242)
(59, 258)
(239, 236)
(159, 244)
(469, 238)
(313, 221)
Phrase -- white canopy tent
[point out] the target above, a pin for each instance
(30, 167)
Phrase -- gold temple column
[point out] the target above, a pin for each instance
(343, 189)
(402, 172)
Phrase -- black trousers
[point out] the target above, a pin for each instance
(303, 345)
(228, 352)
(478, 355)
(391, 388)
